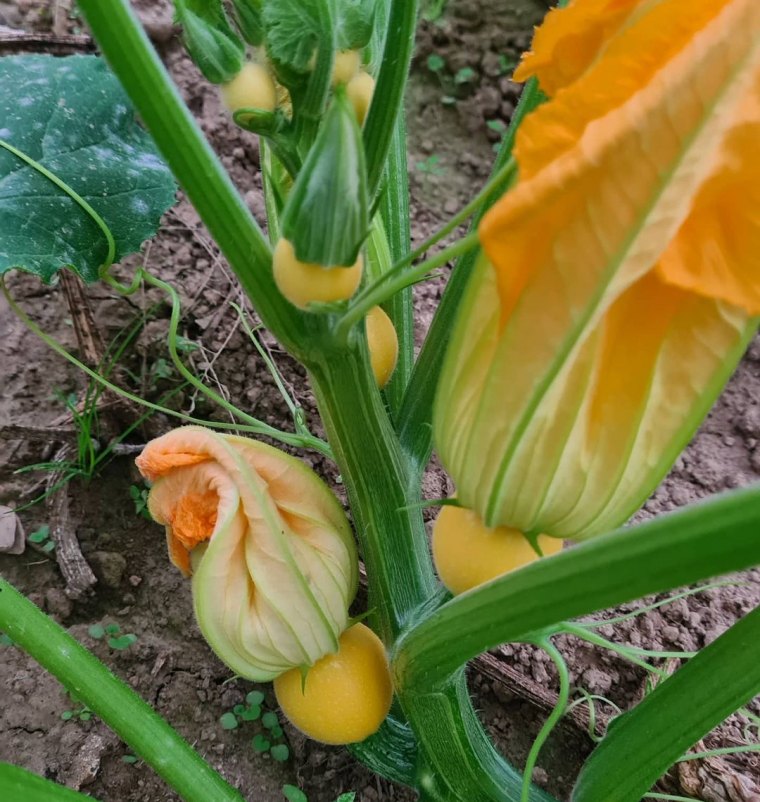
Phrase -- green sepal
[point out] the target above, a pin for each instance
(249, 20)
(354, 22)
(326, 217)
(263, 123)
(212, 44)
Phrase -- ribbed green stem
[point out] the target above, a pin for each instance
(395, 212)
(196, 167)
(388, 97)
(391, 535)
(146, 733)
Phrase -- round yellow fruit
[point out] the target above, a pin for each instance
(303, 283)
(347, 63)
(467, 553)
(383, 345)
(359, 91)
(347, 695)
(252, 88)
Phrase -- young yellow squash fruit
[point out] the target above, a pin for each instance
(347, 63)
(359, 91)
(383, 345)
(303, 283)
(467, 553)
(252, 88)
(346, 696)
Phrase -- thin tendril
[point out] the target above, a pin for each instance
(552, 720)
(726, 750)
(75, 196)
(283, 437)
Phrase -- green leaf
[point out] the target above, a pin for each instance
(681, 710)
(353, 23)
(435, 63)
(260, 743)
(293, 794)
(71, 116)
(85, 715)
(348, 797)
(130, 759)
(276, 731)
(49, 546)
(19, 784)
(293, 32)
(67, 715)
(238, 710)
(40, 535)
(280, 753)
(705, 540)
(122, 642)
(112, 629)
(254, 698)
(251, 713)
(212, 44)
(228, 721)
(465, 75)
(270, 720)
(97, 631)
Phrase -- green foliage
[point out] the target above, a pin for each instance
(465, 76)
(435, 62)
(431, 165)
(293, 32)
(41, 537)
(115, 639)
(139, 496)
(212, 44)
(353, 20)
(229, 721)
(69, 118)
(271, 736)
(293, 794)
(129, 759)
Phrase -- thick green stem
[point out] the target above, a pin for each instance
(394, 210)
(136, 64)
(391, 535)
(388, 97)
(120, 708)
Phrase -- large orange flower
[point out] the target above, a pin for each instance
(621, 277)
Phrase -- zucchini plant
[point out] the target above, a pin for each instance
(606, 290)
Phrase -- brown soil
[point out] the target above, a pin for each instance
(170, 664)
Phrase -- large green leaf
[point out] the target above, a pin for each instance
(19, 784)
(644, 743)
(71, 116)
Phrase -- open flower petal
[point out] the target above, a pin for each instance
(620, 279)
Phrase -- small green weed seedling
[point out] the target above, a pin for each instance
(113, 635)
(41, 537)
(271, 737)
(139, 496)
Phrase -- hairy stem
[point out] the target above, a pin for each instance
(120, 708)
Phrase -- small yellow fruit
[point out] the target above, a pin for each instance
(347, 63)
(303, 283)
(383, 345)
(252, 88)
(347, 695)
(359, 92)
(467, 553)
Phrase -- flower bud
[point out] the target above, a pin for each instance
(326, 217)
(209, 39)
(269, 549)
